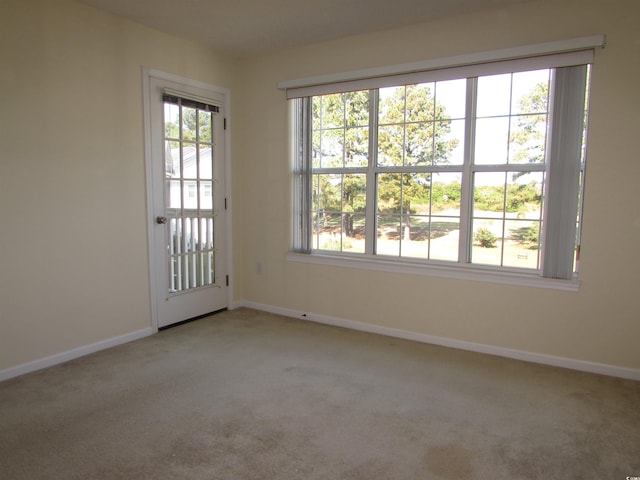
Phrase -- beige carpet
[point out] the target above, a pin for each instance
(249, 395)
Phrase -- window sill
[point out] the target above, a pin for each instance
(459, 272)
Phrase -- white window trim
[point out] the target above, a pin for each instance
(310, 86)
(446, 270)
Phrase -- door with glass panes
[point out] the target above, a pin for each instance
(188, 200)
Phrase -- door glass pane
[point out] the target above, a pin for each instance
(174, 194)
(189, 116)
(206, 195)
(189, 199)
(172, 158)
(205, 126)
(206, 162)
(171, 121)
(189, 160)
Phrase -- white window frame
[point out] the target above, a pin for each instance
(560, 231)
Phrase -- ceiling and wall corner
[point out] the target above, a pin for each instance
(245, 28)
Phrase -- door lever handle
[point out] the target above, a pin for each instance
(161, 220)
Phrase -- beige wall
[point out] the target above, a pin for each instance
(73, 244)
(74, 265)
(600, 323)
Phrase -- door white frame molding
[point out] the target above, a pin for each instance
(147, 75)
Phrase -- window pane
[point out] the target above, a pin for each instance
(175, 194)
(331, 148)
(357, 108)
(327, 193)
(391, 105)
(391, 145)
(190, 200)
(492, 136)
(172, 159)
(189, 160)
(356, 147)
(522, 244)
(530, 92)
(416, 192)
(205, 126)
(487, 245)
(420, 102)
(389, 193)
(353, 238)
(354, 193)
(189, 124)
(524, 195)
(206, 197)
(451, 98)
(171, 121)
(316, 110)
(488, 194)
(388, 235)
(444, 238)
(446, 194)
(316, 149)
(206, 162)
(494, 95)
(329, 111)
(449, 143)
(419, 143)
(415, 236)
(527, 138)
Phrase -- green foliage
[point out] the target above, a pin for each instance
(340, 123)
(413, 128)
(333, 243)
(529, 134)
(413, 131)
(401, 192)
(527, 235)
(520, 195)
(196, 125)
(485, 238)
(491, 197)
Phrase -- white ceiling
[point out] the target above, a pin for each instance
(250, 27)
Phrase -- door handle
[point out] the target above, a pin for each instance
(161, 220)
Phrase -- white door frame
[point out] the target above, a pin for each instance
(147, 75)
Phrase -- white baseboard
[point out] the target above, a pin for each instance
(72, 354)
(563, 362)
